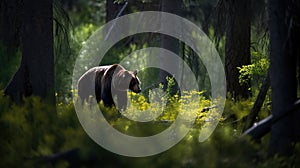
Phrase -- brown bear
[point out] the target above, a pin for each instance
(109, 81)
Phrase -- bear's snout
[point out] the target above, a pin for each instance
(136, 89)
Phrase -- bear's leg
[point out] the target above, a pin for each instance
(83, 89)
(107, 99)
(122, 100)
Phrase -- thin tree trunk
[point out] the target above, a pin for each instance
(258, 103)
(169, 43)
(112, 9)
(36, 73)
(237, 48)
(263, 127)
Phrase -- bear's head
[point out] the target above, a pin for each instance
(124, 80)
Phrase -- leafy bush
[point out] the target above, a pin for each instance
(255, 72)
(33, 131)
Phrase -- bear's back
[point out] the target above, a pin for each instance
(91, 82)
(90, 79)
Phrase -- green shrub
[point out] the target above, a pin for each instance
(35, 129)
(255, 72)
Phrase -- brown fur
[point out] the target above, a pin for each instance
(109, 81)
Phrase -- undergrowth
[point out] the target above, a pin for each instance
(32, 132)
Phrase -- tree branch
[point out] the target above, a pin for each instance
(263, 127)
(258, 102)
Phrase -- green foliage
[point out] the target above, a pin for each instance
(83, 32)
(171, 85)
(28, 132)
(240, 108)
(165, 108)
(255, 72)
(86, 16)
(34, 130)
(87, 11)
(64, 62)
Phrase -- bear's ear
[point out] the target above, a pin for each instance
(135, 72)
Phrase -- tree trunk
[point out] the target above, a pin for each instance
(10, 24)
(169, 43)
(258, 103)
(294, 34)
(237, 48)
(283, 78)
(36, 73)
(112, 9)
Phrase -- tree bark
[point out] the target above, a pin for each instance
(294, 34)
(237, 48)
(258, 103)
(36, 73)
(169, 43)
(10, 24)
(283, 78)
